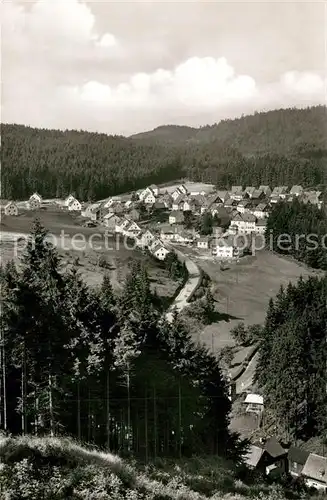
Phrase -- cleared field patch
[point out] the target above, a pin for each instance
(89, 245)
(242, 292)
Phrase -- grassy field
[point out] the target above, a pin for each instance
(243, 290)
(118, 257)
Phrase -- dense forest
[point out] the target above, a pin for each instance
(104, 368)
(292, 359)
(299, 230)
(278, 147)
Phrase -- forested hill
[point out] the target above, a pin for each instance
(278, 131)
(277, 147)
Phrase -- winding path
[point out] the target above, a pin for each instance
(193, 281)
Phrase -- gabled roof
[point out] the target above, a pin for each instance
(237, 189)
(316, 467)
(261, 222)
(250, 189)
(273, 448)
(10, 203)
(252, 458)
(297, 455)
(296, 189)
(257, 193)
(176, 213)
(248, 217)
(254, 399)
(261, 206)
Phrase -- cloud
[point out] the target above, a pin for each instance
(62, 68)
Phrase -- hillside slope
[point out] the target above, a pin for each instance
(278, 131)
(60, 469)
(286, 146)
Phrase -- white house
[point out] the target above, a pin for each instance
(203, 243)
(314, 472)
(167, 235)
(110, 221)
(111, 201)
(91, 211)
(183, 237)
(245, 223)
(224, 248)
(144, 239)
(11, 208)
(243, 206)
(254, 403)
(147, 195)
(131, 230)
(236, 193)
(75, 205)
(37, 197)
(261, 211)
(155, 189)
(160, 251)
(68, 200)
(260, 226)
(180, 190)
(149, 199)
(122, 225)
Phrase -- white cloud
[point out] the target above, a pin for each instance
(57, 72)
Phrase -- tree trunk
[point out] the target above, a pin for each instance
(108, 409)
(23, 393)
(146, 424)
(128, 411)
(78, 410)
(179, 420)
(154, 423)
(51, 416)
(3, 390)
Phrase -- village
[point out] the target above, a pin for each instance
(158, 217)
(162, 219)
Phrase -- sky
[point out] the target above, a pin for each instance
(128, 66)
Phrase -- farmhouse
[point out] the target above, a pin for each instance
(144, 239)
(134, 214)
(243, 206)
(147, 195)
(258, 194)
(179, 191)
(249, 190)
(167, 235)
(68, 200)
(260, 226)
(183, 237)
(314, 472)
(74, 205)
(266, 190)
(296, 460)
(261, 211)
(269, 457)
(11, 208)
(296, 190)
(204, 243)
(154, 189)
(112, 200)
(225, 248)
(159, 251)
(279, 193)
(313, 198)
(111, 220)
(245, 223)
(33, 204)
(92, 211)
(176, 217)
(254, 403)
(236, 193)
(37, 197)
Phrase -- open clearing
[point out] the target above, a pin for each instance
(243, 290)
(118, 257)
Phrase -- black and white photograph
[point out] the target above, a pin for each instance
(163, 250)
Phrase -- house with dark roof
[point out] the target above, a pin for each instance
(314, 472)
(269, 457)
(176, 217)
(296, 460)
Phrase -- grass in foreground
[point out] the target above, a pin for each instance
(60, 469)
